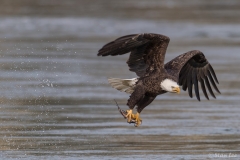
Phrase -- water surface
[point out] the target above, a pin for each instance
(55, 100)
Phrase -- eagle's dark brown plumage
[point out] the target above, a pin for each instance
(147, 54)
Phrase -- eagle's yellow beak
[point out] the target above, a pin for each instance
(176, 90)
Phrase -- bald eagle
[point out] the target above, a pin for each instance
(147, 53)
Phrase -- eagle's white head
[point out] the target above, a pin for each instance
(170, 86)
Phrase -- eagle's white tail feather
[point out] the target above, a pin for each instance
(123, 85)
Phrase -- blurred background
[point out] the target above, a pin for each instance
(55, 100)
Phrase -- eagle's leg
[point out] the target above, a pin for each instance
(135, 97)
(141, 105)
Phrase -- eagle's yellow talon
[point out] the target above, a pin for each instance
(133, 118)
(138, 120)
(129, 115)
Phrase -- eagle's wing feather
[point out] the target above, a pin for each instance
(147, 51)
(136, 61)
(122, 45)
(190, 68)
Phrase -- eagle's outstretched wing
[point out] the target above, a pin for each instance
(189, 69)
(147, 51)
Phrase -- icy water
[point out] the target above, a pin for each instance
(55, 100)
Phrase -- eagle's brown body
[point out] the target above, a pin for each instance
(147, 61)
